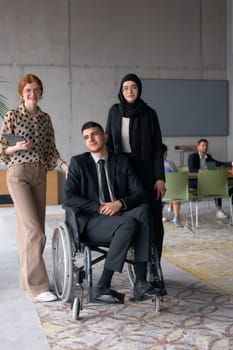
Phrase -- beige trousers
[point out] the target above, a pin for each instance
(27, 187)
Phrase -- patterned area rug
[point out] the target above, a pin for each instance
(195, 315)
(207, 253)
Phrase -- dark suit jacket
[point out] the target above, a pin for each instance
(194, 162)
(81, 188)
(194, 165)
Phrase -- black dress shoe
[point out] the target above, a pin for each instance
(142, 291)
(107, 295)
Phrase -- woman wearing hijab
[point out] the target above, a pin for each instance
(133, 128)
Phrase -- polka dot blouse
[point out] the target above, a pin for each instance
(36, 128)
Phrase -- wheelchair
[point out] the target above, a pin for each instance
(73, 261)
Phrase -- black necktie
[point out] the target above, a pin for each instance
(104, 182)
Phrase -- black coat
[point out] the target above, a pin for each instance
(145, 141)
(81, 188)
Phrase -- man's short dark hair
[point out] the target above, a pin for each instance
(92, 124)
(202, 140)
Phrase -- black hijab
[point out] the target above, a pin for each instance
(135, 109)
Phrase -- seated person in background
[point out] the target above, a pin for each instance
(202, 160)
(170, 167)
(119, 220)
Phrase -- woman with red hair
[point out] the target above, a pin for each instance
(28, 161)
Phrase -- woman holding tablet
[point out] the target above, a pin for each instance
(27, 164)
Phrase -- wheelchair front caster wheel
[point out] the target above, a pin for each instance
(76, 308)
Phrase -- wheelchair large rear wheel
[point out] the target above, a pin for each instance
(62, 262)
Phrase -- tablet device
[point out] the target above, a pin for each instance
(13, 139)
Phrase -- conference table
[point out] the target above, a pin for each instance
(194, 176)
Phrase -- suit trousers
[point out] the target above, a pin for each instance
(120, 231)
(27, 187)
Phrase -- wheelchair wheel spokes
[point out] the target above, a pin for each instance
(62, 263)
(154, 271)
(58, 263)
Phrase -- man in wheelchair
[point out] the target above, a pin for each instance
(109, 198)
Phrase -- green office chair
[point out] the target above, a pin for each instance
(183, 168)
(177, 189)
(230, 181)
(211, 184)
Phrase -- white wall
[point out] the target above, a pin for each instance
(82, 48)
